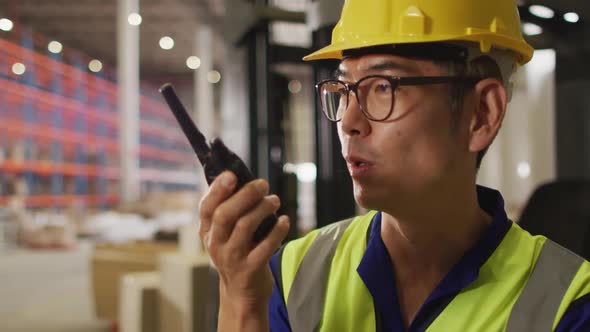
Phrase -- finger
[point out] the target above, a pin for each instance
(267, 247)
(219, 191)
(243, 232)
(230, 211)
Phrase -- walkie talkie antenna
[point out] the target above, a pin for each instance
(194, 135)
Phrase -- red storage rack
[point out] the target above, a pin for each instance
(74, 131)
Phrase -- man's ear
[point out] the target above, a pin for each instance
(491, 101)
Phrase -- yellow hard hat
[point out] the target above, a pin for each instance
(365, 23)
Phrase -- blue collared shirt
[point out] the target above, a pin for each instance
(377, 273)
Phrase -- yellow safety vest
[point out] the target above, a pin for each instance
(525, 285)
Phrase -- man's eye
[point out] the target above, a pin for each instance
(382, 88)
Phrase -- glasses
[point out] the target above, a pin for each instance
(375, 94)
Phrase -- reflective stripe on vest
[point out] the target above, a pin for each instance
(537, 304)
(534, 310)
(306, 297)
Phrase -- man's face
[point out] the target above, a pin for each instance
(414, 157)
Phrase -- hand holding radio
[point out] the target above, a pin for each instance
(215, 158)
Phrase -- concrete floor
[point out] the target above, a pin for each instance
(47, 291)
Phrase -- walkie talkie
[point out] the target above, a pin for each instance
(215, 158)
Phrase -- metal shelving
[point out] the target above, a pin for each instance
(60, 129)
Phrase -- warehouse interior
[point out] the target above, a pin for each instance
(99, 188)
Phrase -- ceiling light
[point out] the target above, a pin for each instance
(524, 170)
(134, 19)
(193, 62)
(541, 11)
(531, 29)
(6, 24)
(95, 66)
(571, 17)
(18, 68)
(166, 43)
(55, 47)
(213, 76)
(295, 86)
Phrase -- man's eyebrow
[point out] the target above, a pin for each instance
(339, 73)
(380, 66)
(390, 65)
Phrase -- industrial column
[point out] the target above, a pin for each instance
(258, 64)
(128, 90)
(204, 106)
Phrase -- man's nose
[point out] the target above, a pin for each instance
(353, 120)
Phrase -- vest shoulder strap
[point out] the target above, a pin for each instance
(538, 303)
(306, 296)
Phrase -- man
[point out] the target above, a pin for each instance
(419, 96)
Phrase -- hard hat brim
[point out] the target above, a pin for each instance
(523, 51)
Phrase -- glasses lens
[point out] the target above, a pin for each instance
(334, 99)
(376, 97)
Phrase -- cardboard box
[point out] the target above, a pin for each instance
(110, 262)
(189, 241)
(138, 303)
(188, 294)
